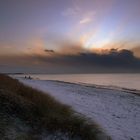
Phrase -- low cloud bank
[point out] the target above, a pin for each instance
(81, 62)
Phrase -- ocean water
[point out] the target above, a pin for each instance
(130, 81)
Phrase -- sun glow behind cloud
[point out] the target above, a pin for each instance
(94, 43)
(96, 40)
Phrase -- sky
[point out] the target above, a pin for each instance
(69, 36)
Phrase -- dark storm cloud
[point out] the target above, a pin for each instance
(113, 61)
(83, 62)
(49, 51)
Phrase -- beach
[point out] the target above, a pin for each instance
(116, 111)
(27, 113)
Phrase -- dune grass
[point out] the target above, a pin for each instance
(42, 112)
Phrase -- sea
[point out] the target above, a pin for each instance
(129, 81)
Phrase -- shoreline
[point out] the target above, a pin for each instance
(116, 111)
(129, 81)
(108, 87)
(117, 88)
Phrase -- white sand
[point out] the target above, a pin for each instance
(116, 111)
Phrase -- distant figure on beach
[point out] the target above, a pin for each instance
(29, 78)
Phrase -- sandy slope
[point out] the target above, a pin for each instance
(117, 112)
